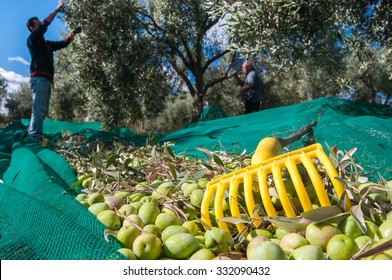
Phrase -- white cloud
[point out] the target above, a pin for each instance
(19, 59)
(14, 80)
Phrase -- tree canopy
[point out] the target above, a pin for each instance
(290, 29)
(112, 58)
(127, 43)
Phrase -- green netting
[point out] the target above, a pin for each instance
(213, 112)
(41, 219)
(341, 123)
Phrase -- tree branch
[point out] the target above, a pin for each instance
(214, 58)
(147, 26)
(222, 78)
(183, 76)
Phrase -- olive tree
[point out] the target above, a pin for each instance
(367, 74)
(287, 32)
(188, 40)
(370, 37)
(282, 31)
(113, 60)
(69, 98)
(19, 103)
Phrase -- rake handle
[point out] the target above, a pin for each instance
(267, 148)
(297, 135)
(270, 147)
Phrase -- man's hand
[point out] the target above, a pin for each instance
(71, 35)
(76, 30)
(50, 17)
(59, 6)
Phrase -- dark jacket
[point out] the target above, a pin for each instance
(41, 52)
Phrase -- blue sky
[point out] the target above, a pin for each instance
(14, 55)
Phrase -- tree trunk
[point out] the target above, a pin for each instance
(198, 104)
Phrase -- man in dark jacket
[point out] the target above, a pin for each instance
(42, 68)
(250, 92)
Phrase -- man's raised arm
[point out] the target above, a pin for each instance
(50, 17)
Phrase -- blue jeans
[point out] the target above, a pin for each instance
(41, 90)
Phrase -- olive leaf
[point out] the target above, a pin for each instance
(256, 209)
(109, 232)
(333, 156)
(199, 174)
(233, 220)
(209, 167)
(357, 213)
(351, 191)
(127, 162)
(172, 170)
(218, 160)
(113, 174)
(289, 224)
(335, 219)
(175, 209)
(375, 250)
(112, 160)
(205, 225)
(78, 182)
(170, 152)
(183, 180)
(135, 171)
(343, 199)
(321, 213)
(205, 151)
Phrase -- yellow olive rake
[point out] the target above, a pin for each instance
(267, 162)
